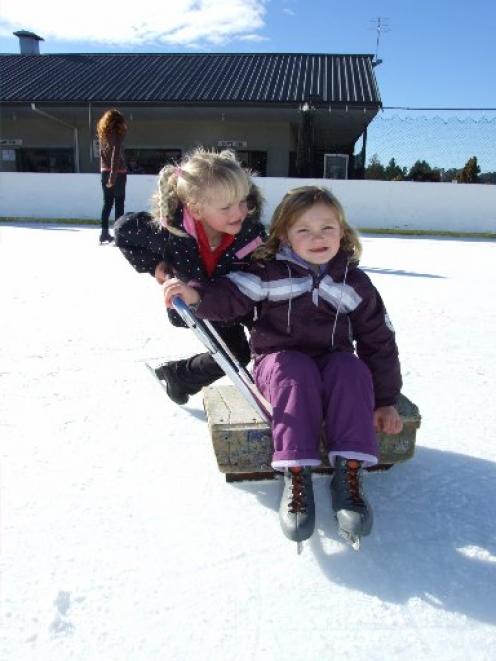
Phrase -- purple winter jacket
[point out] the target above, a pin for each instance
(298, 309)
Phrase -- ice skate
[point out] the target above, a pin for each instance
(297, 508)
(106, 237)
(353, 512)
(167, 376)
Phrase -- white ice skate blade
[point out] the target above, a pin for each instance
(151, 366)
(352, 541)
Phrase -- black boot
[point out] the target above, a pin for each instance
(106, 237)
(297, 508)
(167, 374)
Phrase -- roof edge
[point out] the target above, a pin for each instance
(369, 55)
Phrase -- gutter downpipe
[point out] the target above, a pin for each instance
(60, 121)
(90, 134)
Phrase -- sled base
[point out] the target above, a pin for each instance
(272, 474)
(242, 440)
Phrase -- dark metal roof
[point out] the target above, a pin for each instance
(229, 78)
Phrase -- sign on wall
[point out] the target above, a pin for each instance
(232, 144)
(10, 142)
(336, 166)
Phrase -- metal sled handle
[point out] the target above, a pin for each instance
(214, 344)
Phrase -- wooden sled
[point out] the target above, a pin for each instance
(242, 439)
(239, 417)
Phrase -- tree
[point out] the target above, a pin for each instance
(394, 172)
(422, 171)
(487, 178)
(470, 172)
(450, 175)
(375, 169)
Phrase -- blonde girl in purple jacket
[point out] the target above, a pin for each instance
(324, 351)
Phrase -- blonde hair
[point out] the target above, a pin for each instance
(292, 206)
(190, 181)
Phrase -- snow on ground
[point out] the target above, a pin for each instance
(121, 541)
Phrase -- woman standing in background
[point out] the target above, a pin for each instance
(111, 130)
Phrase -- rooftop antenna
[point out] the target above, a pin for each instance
(380, 27)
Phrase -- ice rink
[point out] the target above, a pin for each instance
(121, 541)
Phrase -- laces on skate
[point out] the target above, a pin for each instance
(297, 501)
(353, 480)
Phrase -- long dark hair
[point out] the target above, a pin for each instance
(111, 121)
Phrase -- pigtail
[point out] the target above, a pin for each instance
(161, 194)
(166, 202)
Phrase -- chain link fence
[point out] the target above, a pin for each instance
(443, 139)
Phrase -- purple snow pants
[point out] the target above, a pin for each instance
(336, 389)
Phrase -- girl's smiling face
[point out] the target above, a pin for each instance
(316, 235)
(220, 214)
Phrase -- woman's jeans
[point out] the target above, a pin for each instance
(116, 194)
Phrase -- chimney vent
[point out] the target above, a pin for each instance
(28, 42)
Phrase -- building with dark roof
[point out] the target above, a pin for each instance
(285, 114)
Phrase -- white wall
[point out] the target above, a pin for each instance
(370, 204)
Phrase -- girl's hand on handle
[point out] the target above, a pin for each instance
(174, 287)
(387, 420)
(161, 273)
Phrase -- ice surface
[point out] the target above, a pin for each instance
(121, 541)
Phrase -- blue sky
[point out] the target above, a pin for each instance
(436, 53)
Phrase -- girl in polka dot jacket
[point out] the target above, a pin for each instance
(205, 223)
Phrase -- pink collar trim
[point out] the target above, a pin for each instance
(189, 223)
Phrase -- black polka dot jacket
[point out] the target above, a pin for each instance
(145, 244)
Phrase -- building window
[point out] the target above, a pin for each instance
(253, 160)
(44, 160)
(150, 161)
